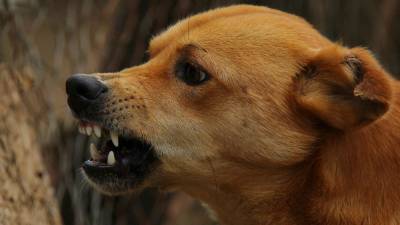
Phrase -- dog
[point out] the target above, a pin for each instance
(256, 114)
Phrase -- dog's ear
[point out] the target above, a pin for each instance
(345, 88)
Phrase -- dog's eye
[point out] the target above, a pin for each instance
(191, 74)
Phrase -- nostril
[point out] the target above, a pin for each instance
(89, 90)
(85, 86)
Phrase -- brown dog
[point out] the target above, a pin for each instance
(252, 111)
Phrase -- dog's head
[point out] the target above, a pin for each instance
(224, 92)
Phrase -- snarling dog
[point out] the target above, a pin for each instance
(255, 113)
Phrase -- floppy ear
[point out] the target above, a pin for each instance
(345, 88)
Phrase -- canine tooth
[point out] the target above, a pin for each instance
(88, 130)
(114, 138)
(111, 158)
(97, 131)
(93, 152)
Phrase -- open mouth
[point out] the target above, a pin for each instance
(117, 162)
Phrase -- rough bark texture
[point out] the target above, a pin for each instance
(26, 194)
(40, 44)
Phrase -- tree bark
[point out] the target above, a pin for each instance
(41, 43)
(26, 195)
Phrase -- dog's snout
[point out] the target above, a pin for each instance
(83, 90)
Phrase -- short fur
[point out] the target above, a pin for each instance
(291, 128)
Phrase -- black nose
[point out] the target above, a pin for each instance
(84, 86)
(83, 90)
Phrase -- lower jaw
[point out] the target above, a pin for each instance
(127, 173)
(110, 180)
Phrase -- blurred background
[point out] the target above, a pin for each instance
(42, 42)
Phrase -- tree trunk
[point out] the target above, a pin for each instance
(26, 195)
(41, 43)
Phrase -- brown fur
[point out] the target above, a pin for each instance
(290, 129)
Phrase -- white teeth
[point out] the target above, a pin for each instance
(94, 153)
(114, 138)
(88, 130)
(81, 129)
(97, 131)
(111, 158)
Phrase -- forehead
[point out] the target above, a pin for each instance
(242, 44)
(235, 23)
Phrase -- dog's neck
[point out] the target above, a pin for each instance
(356, 175)
(343, 183)
(240, 192)
(251, 195)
